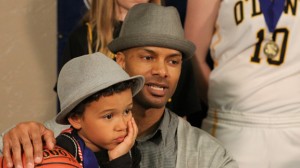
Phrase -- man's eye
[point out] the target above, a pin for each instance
(174, 62)
(147, 58)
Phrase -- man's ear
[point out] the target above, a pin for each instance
(75, 121)
(120, 59)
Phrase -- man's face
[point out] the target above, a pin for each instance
(161, 68)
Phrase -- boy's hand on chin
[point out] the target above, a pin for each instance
(125, 146)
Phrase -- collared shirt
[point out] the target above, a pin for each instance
(159, 150)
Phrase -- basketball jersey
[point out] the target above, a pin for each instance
(244, 80)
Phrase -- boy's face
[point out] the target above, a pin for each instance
(161, 68)
(104, 122)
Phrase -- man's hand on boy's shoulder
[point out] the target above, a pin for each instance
(28, 137)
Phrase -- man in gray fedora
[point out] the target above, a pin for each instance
(151, 43)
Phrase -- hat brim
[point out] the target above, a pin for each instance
(61, 116)
(121, 43)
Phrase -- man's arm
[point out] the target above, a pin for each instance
(56, 128)
(29, 137)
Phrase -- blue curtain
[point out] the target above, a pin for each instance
(180, 5)
(69, 13)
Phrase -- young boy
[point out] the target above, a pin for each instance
(95, 96)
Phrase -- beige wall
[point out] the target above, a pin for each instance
(27, 61)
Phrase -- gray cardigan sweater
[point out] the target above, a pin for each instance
(198, 149)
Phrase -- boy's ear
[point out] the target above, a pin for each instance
(120, 59)
(75, 121)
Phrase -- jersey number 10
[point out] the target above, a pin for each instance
(279, 59)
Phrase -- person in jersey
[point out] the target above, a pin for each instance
(253, 90)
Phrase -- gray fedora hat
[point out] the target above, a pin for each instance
(148, 24)
(83, 76)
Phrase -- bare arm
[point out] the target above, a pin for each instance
(200, 21)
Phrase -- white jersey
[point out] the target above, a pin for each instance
(244, 80)
(254, 101)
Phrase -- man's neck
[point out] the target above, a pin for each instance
(147, 120)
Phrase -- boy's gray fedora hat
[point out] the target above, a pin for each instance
(148, 24)
(83, 76)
